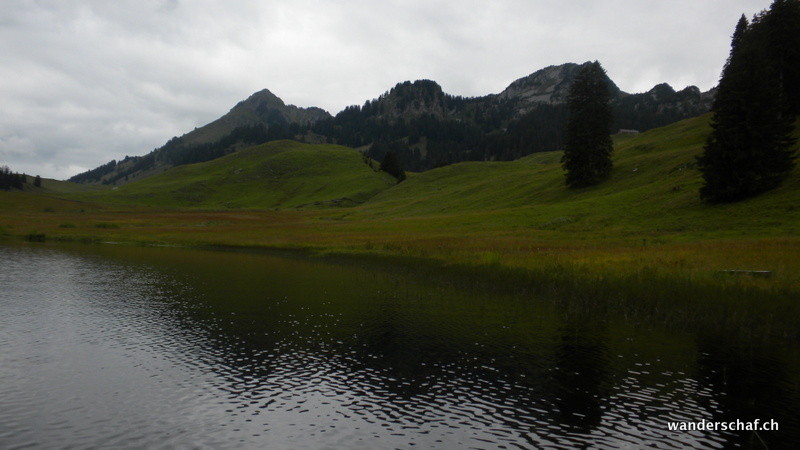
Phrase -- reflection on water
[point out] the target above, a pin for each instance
(106, 346)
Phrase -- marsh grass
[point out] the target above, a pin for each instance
(740, 310)
(106, 225)
(750, 313)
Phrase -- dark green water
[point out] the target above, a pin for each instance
(105, 346)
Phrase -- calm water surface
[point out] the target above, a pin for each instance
(106, 346)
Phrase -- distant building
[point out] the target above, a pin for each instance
(628, 131)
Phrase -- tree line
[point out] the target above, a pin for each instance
(11, 180)
(14, 180)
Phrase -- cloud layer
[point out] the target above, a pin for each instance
(87, 82)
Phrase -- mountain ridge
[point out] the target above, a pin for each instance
(427, 126)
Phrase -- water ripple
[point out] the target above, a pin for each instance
(169, 348)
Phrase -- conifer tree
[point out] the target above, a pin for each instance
(587, 143)
(779, 28)
(749, 150)
(391, 165)
(9, 180)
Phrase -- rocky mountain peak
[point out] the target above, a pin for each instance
(261, 100)
(409, 99)
(260, 108)
(691, 90)
(661, 92)
(266, 107)
(548, 85)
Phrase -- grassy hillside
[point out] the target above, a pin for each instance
(276, 175)
(653, 190)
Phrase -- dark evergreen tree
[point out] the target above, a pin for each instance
(779, 29)
(749, 150)
(37, 181)
(10, 180)
(391, 165)
(587, 141)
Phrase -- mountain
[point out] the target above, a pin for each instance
(659, 106)
(261, 108)
(260, 118)
(428, 128)
(422, 124)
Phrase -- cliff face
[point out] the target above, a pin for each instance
(408, 100)
(551, 85)
(548, 85)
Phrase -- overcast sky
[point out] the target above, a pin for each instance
(85, 82)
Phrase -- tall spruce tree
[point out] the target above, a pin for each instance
(587, 143)
(749, 150)
(779, 28)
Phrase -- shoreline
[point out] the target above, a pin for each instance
(747, 309)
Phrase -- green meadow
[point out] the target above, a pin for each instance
(275, 175)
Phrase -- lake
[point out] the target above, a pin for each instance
(112, 346)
